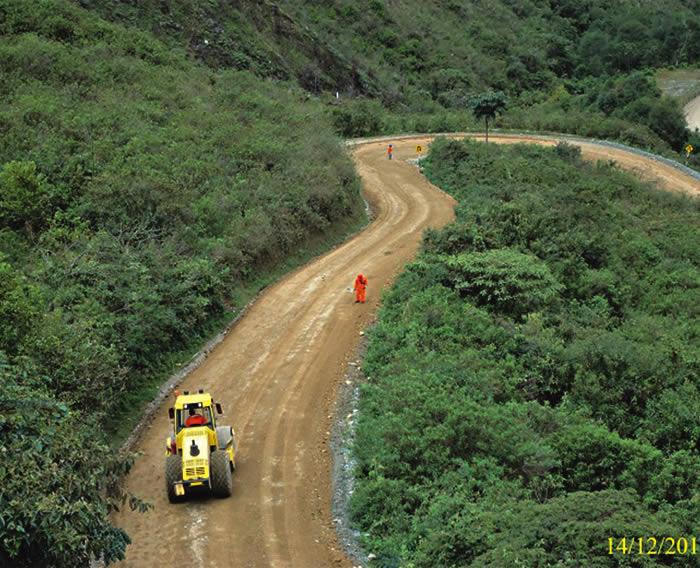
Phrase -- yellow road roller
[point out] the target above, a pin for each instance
(200, 455)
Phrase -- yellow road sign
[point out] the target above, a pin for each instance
(688, 149)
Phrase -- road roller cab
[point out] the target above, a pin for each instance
(200, 455)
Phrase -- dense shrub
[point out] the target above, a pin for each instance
(359, 118)
(60, 482)
(510, 282)
(25, 198)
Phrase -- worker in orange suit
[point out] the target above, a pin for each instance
(390, 151)
(360, 288)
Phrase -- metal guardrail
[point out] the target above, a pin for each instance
(668, 161)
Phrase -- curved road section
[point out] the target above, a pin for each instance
(692, 113)
(277, 372)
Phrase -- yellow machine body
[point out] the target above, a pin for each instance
(196, 437)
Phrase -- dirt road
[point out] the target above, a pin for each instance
(276, 374)
(692, 113)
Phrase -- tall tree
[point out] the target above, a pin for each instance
(487, 106)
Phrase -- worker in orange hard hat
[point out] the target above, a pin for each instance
(360, 288)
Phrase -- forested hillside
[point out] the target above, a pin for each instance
(140, 195)
(532, 381)
(567, 65)
(580, 66)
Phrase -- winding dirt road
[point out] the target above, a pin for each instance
(276, 374)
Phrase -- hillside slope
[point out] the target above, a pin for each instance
(564, 63)
(141, 196)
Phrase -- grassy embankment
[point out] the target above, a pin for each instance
(533, 383)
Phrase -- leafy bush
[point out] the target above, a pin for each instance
(19, 308)
(60, 482)
(25, 198)
(511, 283)
(572, 530)
(358, 118)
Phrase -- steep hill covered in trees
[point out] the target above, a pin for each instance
(567, 65)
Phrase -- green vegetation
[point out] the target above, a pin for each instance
(159, 161)
(579, 66)
(532, 383)
(557, 61)
(141, 196)
(60, 481)
(684, 86)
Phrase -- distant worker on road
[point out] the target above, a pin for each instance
(360, 288)
(390, 151)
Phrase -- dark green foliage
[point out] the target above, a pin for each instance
(510, 282)
(19, 307)
(568, 152)
(359, 118)
(533, 374)
(571, 530)
(26, 199)
(59, 482)
(444, 54)
(635, 98)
